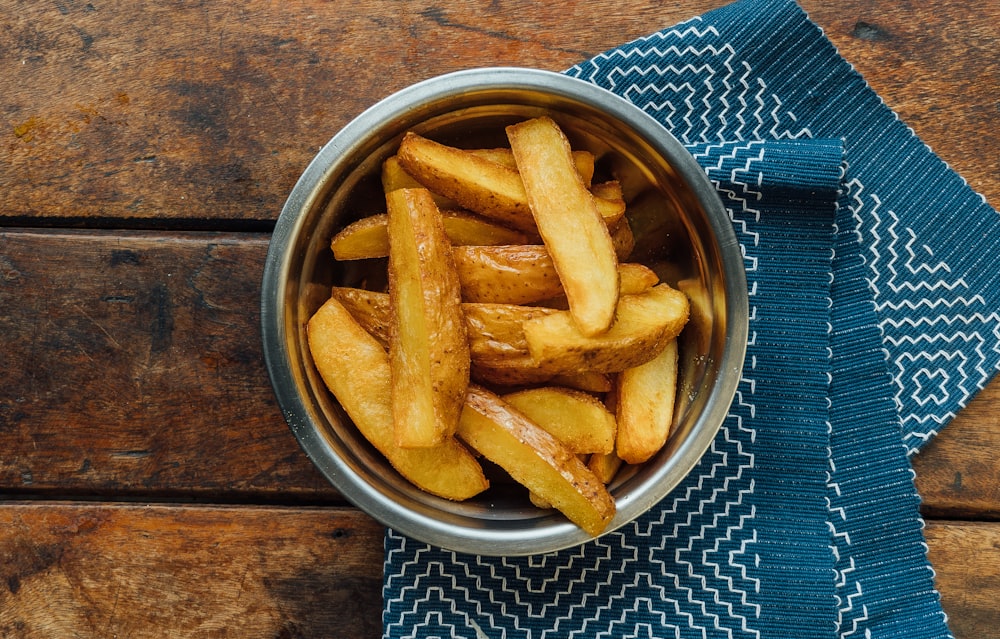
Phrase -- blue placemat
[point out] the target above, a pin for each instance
(872, 324)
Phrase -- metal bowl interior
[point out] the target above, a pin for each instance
(682, 231)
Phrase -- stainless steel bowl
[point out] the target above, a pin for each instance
(682, 229)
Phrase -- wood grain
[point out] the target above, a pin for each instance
(133, 366)
(958, 473)
(108, 120)
(100, 571)
(966, 559)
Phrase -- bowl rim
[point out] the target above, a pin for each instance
(303, 419)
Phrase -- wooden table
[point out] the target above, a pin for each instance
(149, 485)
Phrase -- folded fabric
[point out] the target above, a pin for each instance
(871, 325)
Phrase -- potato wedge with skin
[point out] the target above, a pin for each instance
(585, 259)
(477, 183)
(355, 367)
(508, 274)
(535, 459)
(428, 347)
(583, 160)
(394, 176)
(605, 465)
(575, 418)
(645, 406)
(369, 237)
(643, 326)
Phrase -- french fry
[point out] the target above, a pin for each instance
(355, 367)
(477, 183)
(369, 238)
(530, 284)
(509, 274)
(428, 347)
(643, 326)
(575, 418)
(582, 160)
(535, 459)
(645, 406)
(585, 259)
(605, 465)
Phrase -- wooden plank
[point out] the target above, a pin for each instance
(103, 570)
(110, 118)
(919, 57)
(155, 110)
(958, 473)
(966, 558)
(172, 322)
(133, 366)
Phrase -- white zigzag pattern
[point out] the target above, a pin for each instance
(939, 291)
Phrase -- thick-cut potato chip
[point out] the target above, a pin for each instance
(355, 367)
(535, 459)
(585, 258)
(428, 346)
(643, 326)
(645, 406)
(605, 465)
(575, 418)
(369, 237)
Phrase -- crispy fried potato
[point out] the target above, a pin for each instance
(609, 200)
(394, 176)
(477, 184)
(535, 459)
(643, 326)
(428, 347)
(509, 274)
(355, 367)
(575, 418)
(585, 259)
(605, 465)
(369, 238)
(645, 405)
(370, 309)
(583, 160)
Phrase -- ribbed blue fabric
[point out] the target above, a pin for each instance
(871, 325)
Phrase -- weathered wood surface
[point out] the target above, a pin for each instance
(104, 571)
(131, 365)
(111, 570)
(116, 342)
(150, 112)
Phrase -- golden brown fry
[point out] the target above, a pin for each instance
(644, 324)
(585, 259)
(370, 309)
(605, 465)
(645, 406)
(368, 237)
(636, 278)
(477, 184)
(575, 418)
(535, 459)
(428, 348)
(583, 160)
(355, 368)
(509, 274)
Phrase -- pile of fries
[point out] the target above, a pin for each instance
(514, 327)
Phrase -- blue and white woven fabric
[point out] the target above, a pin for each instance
(871, 325)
